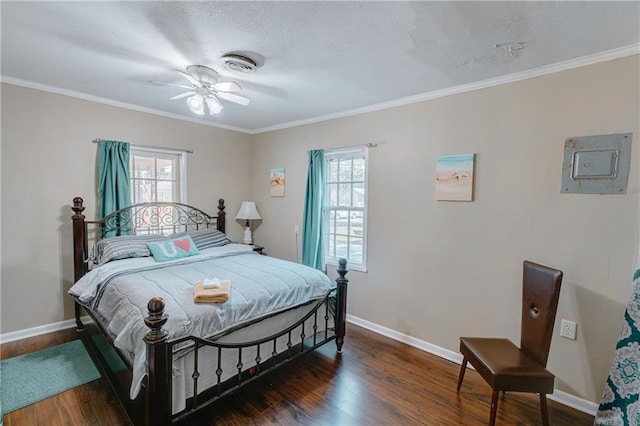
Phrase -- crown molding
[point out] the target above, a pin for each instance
(470, 87)
(105, 101)
(582, 61)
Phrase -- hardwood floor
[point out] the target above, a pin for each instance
(376, 381)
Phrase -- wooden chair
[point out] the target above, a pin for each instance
(507, 367)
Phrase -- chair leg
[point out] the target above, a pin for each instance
(544, 409)
(494, 407)
(463, 368)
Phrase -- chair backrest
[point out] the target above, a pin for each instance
(540, 294)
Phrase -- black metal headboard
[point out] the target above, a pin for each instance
(144, 218)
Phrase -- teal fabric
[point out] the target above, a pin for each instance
(35, 376)
(176, 248)
(312, 254)
(114, 187)
(620, 403)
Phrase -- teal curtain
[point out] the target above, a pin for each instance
(114, 188)
(312, 222)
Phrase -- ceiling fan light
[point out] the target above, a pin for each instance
(206, 89)
(213, 104)
(196, 104)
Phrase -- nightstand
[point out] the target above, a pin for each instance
(258, 249)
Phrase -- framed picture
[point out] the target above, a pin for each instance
(277, 182)
(454, 177)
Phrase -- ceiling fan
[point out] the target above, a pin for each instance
(206, 89)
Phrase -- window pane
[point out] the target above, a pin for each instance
(355, 249)
(358, 169)
(332, 247)
(165, 169)
(341, 246)
(341, 219)
(358, 195)
(344, 195)
(356, 229)
(166, 190)
(333, 195)
(333, 171)
(144, 167)
(345, 170)
(145, 190)
(332, 222)
(136, 187)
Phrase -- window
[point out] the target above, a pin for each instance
(345, 207)
(157, 175)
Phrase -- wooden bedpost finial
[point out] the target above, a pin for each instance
(342, 268)
(221, 219)
(156, 320)
(77, 208)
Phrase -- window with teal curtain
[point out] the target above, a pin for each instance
(114, 184)
(312, 253)
(345, 206)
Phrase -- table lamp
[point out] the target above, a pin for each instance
(248, 212)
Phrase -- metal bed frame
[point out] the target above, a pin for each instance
(153, 405)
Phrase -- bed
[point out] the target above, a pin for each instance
(167, 357)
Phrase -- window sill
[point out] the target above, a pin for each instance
(357, 267)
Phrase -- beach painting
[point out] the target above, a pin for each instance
(454, 177)
(277, 182)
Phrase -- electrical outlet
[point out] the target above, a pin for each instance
(568, 329)
(296, 229)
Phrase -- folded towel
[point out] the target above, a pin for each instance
(211, 295)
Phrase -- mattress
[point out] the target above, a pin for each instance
(117, 293)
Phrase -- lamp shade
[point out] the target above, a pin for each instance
(248, 211)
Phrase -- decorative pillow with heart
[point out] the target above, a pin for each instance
(175, 248)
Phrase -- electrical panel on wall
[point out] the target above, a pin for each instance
(596, 164)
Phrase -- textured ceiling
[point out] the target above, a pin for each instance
(318, 59)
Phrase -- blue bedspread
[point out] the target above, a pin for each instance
(118, 292)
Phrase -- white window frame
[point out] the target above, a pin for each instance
(326, 210)
(158, 152)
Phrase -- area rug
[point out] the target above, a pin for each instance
(30, 378)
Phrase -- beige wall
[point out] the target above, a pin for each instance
(48, 158)
(439, 270)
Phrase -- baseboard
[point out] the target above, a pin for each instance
(574, 402)
(558, 395)
(41, 329)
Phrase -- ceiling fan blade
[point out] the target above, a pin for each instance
(182, 95)
(227, 86)
(232, 97)
(191, 78)
(171, 84)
